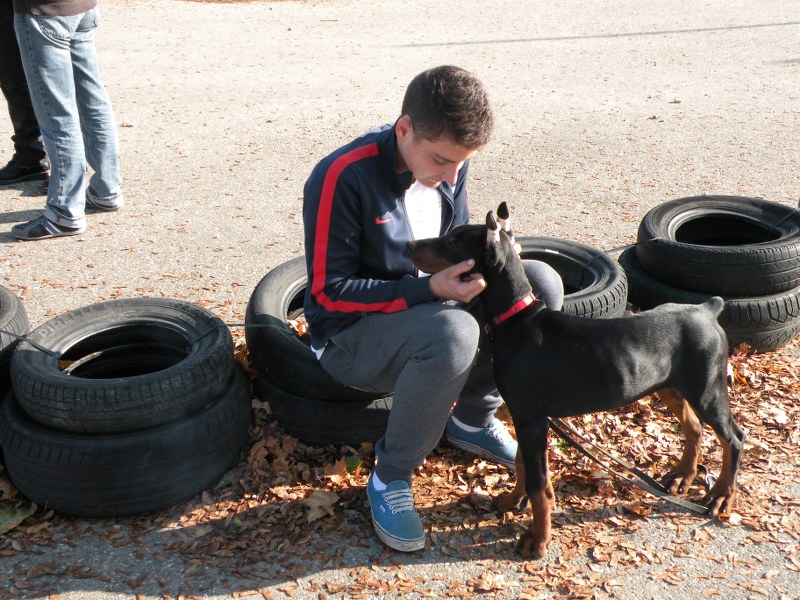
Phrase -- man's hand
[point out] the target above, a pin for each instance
(448, 285)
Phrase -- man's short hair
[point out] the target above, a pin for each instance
(450, 102)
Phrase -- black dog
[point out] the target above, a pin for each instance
(677, 350)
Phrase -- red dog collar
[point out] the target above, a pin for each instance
(515, 308)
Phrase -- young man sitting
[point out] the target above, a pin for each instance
(376, 323)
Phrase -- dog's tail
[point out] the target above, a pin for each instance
(715, 305)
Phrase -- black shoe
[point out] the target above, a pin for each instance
(15, 173)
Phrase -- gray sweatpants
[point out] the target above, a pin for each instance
(431, 357)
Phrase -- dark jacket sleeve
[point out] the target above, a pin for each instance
(333, 209)
(337, 284)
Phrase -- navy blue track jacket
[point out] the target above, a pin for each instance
(356, 230)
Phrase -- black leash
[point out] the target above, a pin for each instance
(641, 480)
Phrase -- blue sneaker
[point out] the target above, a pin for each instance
(394, 517)
(493, 442)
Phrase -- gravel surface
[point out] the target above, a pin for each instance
(604, 109)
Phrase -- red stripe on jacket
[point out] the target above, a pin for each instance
(321, 238)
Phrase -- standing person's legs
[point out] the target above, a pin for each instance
(98, 125)
(29, 160)
(45, 47)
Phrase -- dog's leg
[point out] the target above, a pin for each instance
(532, 434)
(533, 543)
(680, 479)
(714, 409)
(722, 495)
(512, 500)
(716, 412)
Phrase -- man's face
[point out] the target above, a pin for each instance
(430, 163)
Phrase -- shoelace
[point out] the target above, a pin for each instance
(399, 501)
(500, 433)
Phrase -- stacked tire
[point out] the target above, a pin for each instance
(124, 407)
(13, 325)
(746, 250)
(310, 405)
(307, 402)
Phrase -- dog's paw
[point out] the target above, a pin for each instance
(531, 546)
(719, 501)
(678, 482)
(509, 501)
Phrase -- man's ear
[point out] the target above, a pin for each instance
(404, 129)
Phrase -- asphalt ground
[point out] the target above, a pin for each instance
(604, 109)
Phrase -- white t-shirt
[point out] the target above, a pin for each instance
(424, 210)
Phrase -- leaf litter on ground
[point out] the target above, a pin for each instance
(288, 504)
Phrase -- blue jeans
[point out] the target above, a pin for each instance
(73, 110)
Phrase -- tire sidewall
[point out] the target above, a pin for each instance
(764, 323)
(127, 473)
(276, 352)
(322, 422)
(13, 324)
(599, 283)
(46, 392)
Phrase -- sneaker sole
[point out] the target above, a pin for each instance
(32, 177)
(98, 208)
(396, 543)
(480, 452)
(48, 237)
(392, 541)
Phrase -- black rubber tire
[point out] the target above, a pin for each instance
(130, 473)
(322, 422)
(138, 363)
(13, 323)
(276, 352)
(724, 245)
(594, 284)
(764, 322)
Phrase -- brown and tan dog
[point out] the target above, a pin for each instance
(679, 351)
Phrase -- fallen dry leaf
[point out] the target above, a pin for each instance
(13, 517)
(320, 504)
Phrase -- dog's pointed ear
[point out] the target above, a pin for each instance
(492, 229)
(502, 211)
(504, 217)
